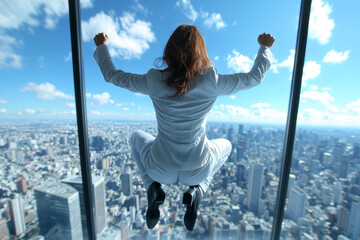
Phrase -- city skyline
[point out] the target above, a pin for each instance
(36, 154)
(36, 69)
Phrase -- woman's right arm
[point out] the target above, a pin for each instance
(231, 83)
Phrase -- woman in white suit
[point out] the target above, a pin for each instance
(182, 94)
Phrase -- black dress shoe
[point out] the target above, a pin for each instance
(156, 196)
(191, 198)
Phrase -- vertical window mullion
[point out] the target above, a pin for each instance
(291, 117)
(80, 100)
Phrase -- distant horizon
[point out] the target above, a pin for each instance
(36, 60)
(208, 122)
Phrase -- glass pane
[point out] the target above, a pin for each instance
(38, 131)
(241, 198)
(323, 196)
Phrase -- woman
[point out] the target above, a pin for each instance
(182, 94)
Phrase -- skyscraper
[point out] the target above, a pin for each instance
(297, 203)
(254, 186)
(17, 221)
(98, 188)
(342, 218)
(126, 183)
(241, 129)
(58, 211)
(353, 230)
(4, 231)
(21, 185)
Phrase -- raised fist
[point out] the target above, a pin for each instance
(266, 39)
(101, 38)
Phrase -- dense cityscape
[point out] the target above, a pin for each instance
(41, 191)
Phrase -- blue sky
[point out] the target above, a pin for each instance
(36, 69)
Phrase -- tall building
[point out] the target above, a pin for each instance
(21, 185)
(98, 199)
(254, 186)
(4, 231)
(297, 203)
(356, 153)
(97, 143)
(320, 152)
(239, 153)
(353, 230)
(58, 211)
(126, 183)
(338, 152)
(241, 129)
(342, 218)
(17, 219)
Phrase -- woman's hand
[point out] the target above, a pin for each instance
(101, 38)
(266, 39)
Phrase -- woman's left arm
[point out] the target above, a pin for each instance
(133, 82)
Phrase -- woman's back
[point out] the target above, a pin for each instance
(181, 120)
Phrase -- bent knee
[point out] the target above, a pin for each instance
(134, 137)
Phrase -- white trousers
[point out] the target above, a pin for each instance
(140, 146)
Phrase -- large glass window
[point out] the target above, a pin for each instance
(241, 199)
(323, 196)
(38, 134)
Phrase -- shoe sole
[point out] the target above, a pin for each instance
(188, 197)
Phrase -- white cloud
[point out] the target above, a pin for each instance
(29, 111)
(101, 99)
(68, 57)
(216, 58)
(326, 88)
(354, 106)
(336, 57)
(3, 110)
(311, 70)
(320, 24)
(259, 112)
(313, 116)
(132, 104)
(188, 8)
(70, 105)
(2, 101)
(95, 113)
(264, 112)
(16, 13)
(8, 57)
(237, 111)
(210, 19)
(125, 109)
(213, 19)
(287, 63)
(239, 62)
(129, 37)
(333, 108)
(140, 8)
(323, 97)
(45, 91)
(120, 104)
(260, 105)
(313, 87)
(233, 97)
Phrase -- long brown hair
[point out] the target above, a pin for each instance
(185, 55)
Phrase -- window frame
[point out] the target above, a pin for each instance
(81, 114)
